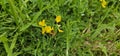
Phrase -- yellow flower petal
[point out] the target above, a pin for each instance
(104, 3)
(42, 23)
(58, 19)
(48, 29)
(43, 30)
(60, 30)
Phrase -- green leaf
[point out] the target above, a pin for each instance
(3, 37)
(14, 41)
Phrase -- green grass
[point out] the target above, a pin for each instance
(89, 29)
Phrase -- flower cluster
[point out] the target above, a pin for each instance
(49, 29)
(45, 28)
(103, 3)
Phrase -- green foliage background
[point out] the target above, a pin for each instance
(89, 29)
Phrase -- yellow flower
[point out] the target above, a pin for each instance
(48, 29)
(42, 23)
(43, 30)
(58, 19)
(60, 30)
(103, 3)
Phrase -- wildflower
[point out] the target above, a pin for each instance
(42, 23)
(43, 30)
(103, 3)
(60, 30)
(48, 29)
(58, 19)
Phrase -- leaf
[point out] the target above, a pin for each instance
(14, 41)
(4, 39)
(51, 54)
(17, 53)
(98, 30)
(104, 49)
